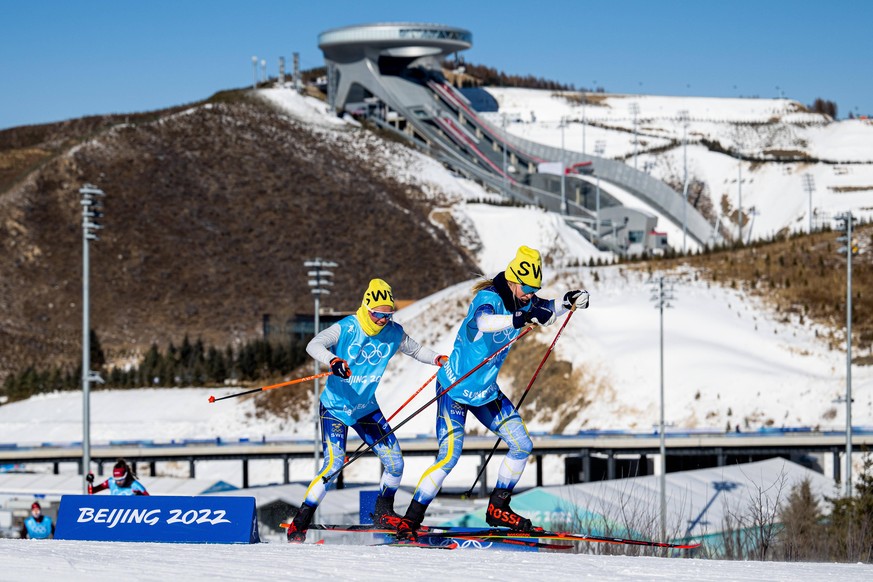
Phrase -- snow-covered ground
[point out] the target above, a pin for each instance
(37, 561)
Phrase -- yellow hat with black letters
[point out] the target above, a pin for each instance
(526, 268)
(378, 293)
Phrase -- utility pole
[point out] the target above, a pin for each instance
(849, 250)
(662, 297)
(91, 203)
(740, 196)
(503, 138)
(584, 122)
(599, 149)
(319, 278)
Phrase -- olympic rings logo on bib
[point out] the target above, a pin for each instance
(368, 354)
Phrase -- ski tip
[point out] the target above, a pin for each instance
(319, 543)
(284, 525)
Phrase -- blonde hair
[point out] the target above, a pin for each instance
(483, 283)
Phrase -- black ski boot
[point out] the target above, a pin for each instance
(499, 514)
(384, 514)
(297, 530)
(407, 528)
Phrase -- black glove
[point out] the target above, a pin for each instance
(577, 297)
(536, 314)
(89, 477)
(340, 368)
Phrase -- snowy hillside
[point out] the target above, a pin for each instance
(838, 155)
(728, 361)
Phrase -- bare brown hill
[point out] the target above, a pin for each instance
(210, 213)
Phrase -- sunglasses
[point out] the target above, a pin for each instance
(528, 289)
(381, 314)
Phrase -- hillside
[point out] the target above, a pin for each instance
(210, 213)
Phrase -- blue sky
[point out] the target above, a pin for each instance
(61, 59)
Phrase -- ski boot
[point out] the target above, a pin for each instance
(383, 513)
(499, 514)
(297, 530)
(407, 528)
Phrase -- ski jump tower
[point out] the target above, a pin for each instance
(391, 74)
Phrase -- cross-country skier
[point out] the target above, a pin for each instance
(501, 307)
(362, 344)
(37, 526)
(123, 481)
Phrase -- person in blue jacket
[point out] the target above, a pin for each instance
(357, 350)
(501, 307)
(123, 481)
(37, 526)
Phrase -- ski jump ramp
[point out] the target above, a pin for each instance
(391, 74)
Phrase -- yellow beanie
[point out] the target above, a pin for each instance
(526, 268)
(378, 293)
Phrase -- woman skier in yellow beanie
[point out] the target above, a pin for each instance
(362, 344)
(501, 307)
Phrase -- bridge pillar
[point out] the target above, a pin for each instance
(539, 459)
(286, 470)
(245, 475)
(837, 466)
(191, 471)
(152, 468)
(100, 467)
(586, 466)
(56, 468)
(610, 465)
(722, 458)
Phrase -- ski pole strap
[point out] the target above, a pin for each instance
(356, 456)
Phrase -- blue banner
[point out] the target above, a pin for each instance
(122, 518)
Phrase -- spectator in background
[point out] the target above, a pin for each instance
(123, 481)
(37, 526)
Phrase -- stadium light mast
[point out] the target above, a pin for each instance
(91, 203)
(503, 137)
(319, 278)
(599, 149)
(635, 111)
(563, 169)
(662, 298)
(254, 72)
(739, 196)
(683, 119)
(264, 70)
(809, 186)
(850, 249)
(584, 122)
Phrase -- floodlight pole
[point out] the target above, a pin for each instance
(503, 125)
(563, 170)
(809, 186)
(683, 117)
(90, 214)
(254, 72)
(661, 299)
(635, 110)
(740, 196)
(584, 122)
(319, 278)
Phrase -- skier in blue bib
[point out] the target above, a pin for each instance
(501, 307)
(123, 481)
(357, 349)
(37, 526)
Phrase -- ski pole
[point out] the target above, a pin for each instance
(521, 400)
(396, 412)
(370, 447)
(265, 388)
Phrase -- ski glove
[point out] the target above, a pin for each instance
(340, 368)
(536, 314)
(441, 360)
(89, 477)
(577, 297)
